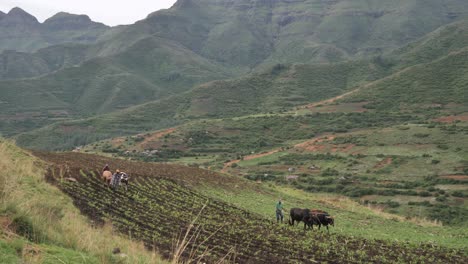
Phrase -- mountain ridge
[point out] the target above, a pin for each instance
(24, 33)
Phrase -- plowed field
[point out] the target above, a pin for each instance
(160, 204)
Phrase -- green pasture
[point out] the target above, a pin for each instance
(351, 218)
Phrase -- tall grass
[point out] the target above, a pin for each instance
(46, 216)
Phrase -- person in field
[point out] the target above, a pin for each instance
(115, 181)
(279, 211)
(106, 168)
(106, 175)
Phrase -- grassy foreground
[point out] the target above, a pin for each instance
(39, 224)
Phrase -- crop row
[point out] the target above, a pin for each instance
(158, 210)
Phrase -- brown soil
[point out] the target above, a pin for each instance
(451, 119)
(72, 129)
(345, 148)
(309, 145)
(90, 162)
(383, 163)
(249, 157)
(5, 223)
(117, 141)
(157, 135)
(331, 100)
(455, 177)
(345, 108)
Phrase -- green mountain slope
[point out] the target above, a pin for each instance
(429, 85)
(280, 88)
(153, 69)
(21, 31)
(434, 45)
(16, 65)
(249, 32)
(414, 89)
(253, 33)
(149, 68)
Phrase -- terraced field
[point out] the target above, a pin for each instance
(161, 205)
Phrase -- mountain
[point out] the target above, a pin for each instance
(174, 50)
(415, 89)
(21, 31)
(434, 45)
(259, 33)
(153, 69)
(421, 87)
(252, 32)
(278, 89)
(17, 65)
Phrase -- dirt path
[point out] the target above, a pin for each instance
(383, 163)
(158, 135)
(249, 157)
(455, 177)
(331, 100)
(451, 119)
(309, 144)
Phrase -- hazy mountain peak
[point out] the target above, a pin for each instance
(19, 15)
(16, 11)
(65, 15)
(184, 3)
(66, 20)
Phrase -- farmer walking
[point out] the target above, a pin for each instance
(279, 212)
(115, 181)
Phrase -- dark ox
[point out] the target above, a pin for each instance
(318, 217)
(298, 215)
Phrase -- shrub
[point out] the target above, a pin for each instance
(330, 172)
(458, 194)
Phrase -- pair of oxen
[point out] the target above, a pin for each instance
(115, 180)
(310, 217)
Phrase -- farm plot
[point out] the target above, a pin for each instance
(159, 208)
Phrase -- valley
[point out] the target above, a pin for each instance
(217, 110)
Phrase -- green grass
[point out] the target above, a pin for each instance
(266, 159)
(45, 225)
(351, 218)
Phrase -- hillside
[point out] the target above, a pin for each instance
(382, 147)
(250, 33)
(153, 69)
(17, 65)
(277, 89)
(40, 224)
(222, 210)
(217, 109)
(167, 53)
(281, 88)
(439, 43)
(421, 87)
